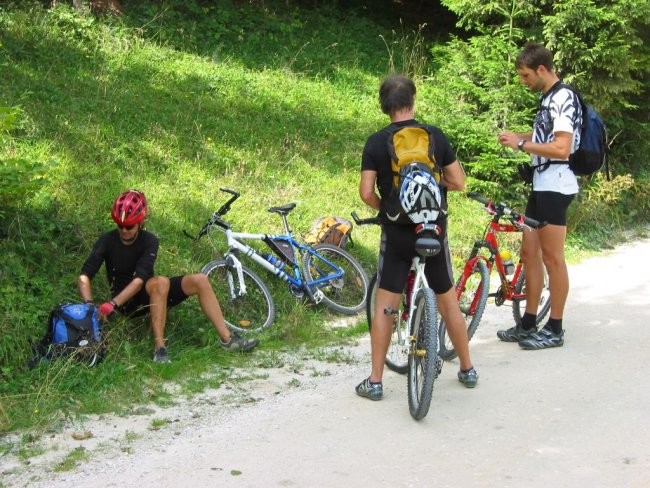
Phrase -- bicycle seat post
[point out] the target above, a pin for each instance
(285, 223)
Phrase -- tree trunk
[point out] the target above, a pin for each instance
(105, 6)
(97, 6)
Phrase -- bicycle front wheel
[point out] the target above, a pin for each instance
(519, 306)
(424, 363)
(397, 356)
(347, 294)
(247, 306)
(472, 292)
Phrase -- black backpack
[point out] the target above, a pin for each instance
(73, 329)
(591, 154)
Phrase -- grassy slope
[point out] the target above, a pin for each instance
(109, 107)
(275, 105)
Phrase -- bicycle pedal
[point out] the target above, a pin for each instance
(318, 296)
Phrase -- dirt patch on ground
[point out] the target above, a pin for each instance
(93, 438)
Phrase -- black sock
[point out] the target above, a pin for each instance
(528, 321)
(555, 325)
(374, 382)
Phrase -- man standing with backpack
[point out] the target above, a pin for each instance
(397, 248)
(555, 136)
(129, 253)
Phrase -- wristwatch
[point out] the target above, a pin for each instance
(520, 144)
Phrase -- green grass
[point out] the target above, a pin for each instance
(157, 423)
(72, 460)
(274, 103)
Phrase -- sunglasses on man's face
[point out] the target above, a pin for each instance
(126, 227)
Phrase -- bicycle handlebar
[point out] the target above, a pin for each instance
(216, 215)
(367, 221)
(225, 208)
(501, 209)
(479, 198)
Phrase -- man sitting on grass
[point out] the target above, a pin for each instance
(129, 253)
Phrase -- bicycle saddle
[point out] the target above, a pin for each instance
(284, 209)
(427, 243)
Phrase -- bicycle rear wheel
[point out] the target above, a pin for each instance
(519, 306)
(346, 295)
(397, 355)
(472, 297)
(246, 307)
(424, 363)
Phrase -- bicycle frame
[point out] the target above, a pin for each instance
(519, 222)
(419, 282)
(490, 242)
(473, 286)
(236, 246)
(324, 273)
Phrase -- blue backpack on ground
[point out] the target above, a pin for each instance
(73, 329)
(591, 154)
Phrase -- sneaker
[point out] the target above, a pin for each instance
(160, 355)
(238, 343)
(543, 339)
(468, 378)
(515, 334)
(374, 391)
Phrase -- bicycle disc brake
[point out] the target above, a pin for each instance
(337, 283)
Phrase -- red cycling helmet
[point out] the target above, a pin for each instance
(129, 208)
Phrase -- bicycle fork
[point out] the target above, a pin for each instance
(235, 292)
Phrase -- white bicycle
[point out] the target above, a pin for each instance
(324, 273)
(414, 341)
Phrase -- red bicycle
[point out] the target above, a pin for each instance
(473, 285)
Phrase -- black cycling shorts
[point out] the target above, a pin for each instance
(139, 304)
(548, 206)
(396, 253)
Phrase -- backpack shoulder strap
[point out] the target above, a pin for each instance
(583, 106)
(558, 84)
(561, 84)
(49, 332)
(40, 348)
